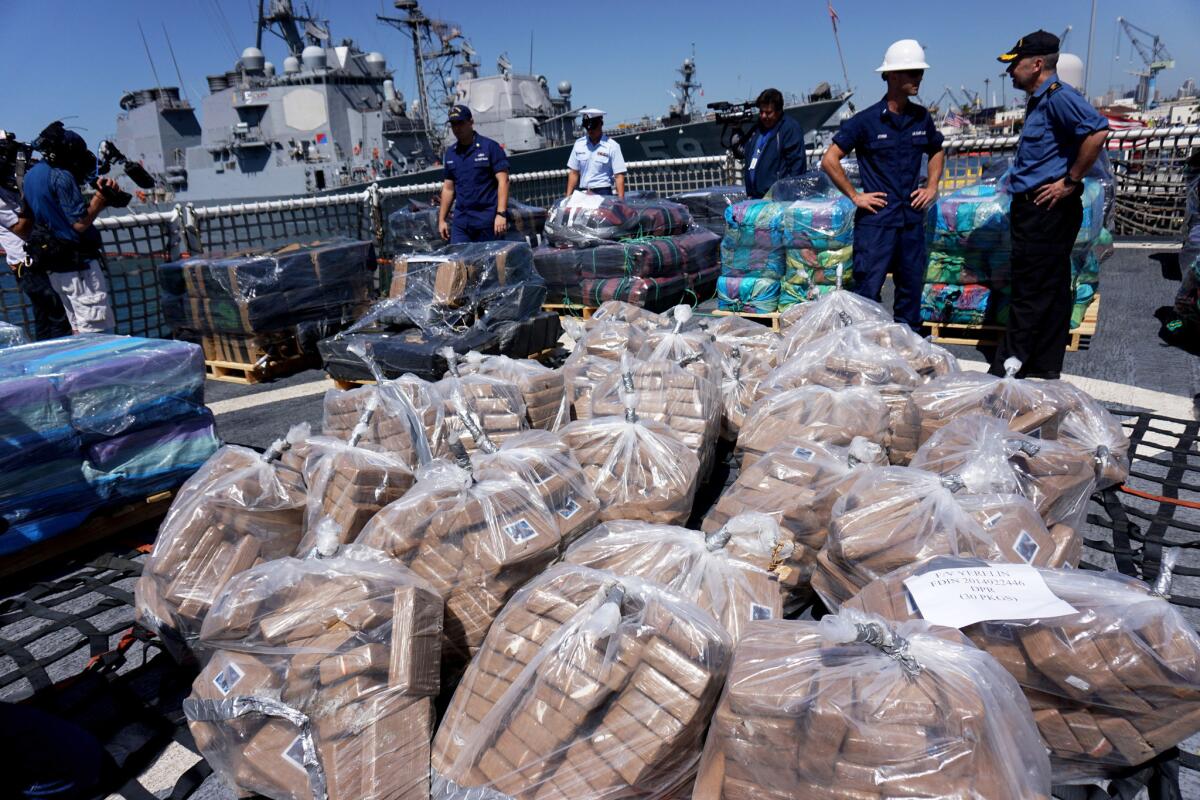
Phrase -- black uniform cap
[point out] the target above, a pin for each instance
(1038, 43)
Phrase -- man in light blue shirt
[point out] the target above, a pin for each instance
(596, 164)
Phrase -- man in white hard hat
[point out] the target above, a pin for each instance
(890, 139)
(596, 164)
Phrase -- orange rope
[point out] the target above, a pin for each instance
(1159, 499)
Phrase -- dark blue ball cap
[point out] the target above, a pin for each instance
(460, 113)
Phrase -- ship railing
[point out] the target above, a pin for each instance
(1151, 167)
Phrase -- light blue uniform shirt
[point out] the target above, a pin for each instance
(598, 164)
(1057, 118)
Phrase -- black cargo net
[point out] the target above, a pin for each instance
(230, 233)
(70, 644)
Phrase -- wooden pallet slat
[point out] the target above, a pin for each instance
(974, 335)
(570, 309)
(770, 318)
(251, 359)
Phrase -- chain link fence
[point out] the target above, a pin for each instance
(1151, 168)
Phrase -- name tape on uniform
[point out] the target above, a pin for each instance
(963, 596)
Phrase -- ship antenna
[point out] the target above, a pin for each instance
(157, 82)
(833, 20)
(178, 74)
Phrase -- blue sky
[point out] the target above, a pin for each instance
(619, 55)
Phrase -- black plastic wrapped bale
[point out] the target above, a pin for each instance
(414, 227)
(324, 281)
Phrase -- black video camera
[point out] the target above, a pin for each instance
(110, 155)
(737, 120)
(14, 158)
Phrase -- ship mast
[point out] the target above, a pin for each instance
(687, 105)
(437, 62)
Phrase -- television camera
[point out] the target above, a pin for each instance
(737, 120)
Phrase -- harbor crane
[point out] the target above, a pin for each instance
(1154, 55)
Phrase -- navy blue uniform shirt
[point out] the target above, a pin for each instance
(889, 148)
(55, 199)
(774, 154)
(1057, 119)
(473, 169)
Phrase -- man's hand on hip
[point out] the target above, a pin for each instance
(922, 199)
(1051, 193)
(870, 201)
(500, 227)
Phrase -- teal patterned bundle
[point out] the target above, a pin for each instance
(748, 295)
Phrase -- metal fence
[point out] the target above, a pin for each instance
(1151, 168)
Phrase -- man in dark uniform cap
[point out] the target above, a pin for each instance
(1060, 141)
(476, 184)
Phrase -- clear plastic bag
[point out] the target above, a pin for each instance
(589, 685)
(609, 337)
(690, 347)
(639, 469)
(581, 373)
(926, 359)
(544, 461)
(986, 456)
(322, 679)
(745, 334)
(797, 486)
(804, 322)
(748, 354)
(11, 335)
(686, 403)
(728, 580)
(813, 413)
(589, 220)
(541, 387)
(855, 707)
(707, 206)
(1111, 686)
(844, 357)
(893, 516)
(478, 405)
(239, 509)
(1025, 406)
(627, 312)
(475, 539)
(1091, 427)
(390, 428)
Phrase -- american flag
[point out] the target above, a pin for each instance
(956, 120)
(833, 15)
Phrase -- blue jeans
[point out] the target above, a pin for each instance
(464, 228)
(901, 251)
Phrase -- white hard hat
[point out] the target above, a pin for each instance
(1070, 70)
(904, 54)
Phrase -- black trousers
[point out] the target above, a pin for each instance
(49, 316)
(1039, 317)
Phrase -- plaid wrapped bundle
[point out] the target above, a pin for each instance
(570, 225)
(974, 218)
(822, 222)
(635, 290)
(1085, 273)
(752, 246)
(955, 305)
(965, 266)
(256, 293)
(750, 295)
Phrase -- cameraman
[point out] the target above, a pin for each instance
(49, 316)
(64, 243)
(775, 148)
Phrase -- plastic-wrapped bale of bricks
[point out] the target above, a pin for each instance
(589, 220)
(1089, 426)
(541, 387)
(581, 375)
(804, 322)
(1025, 406)
(748, 354)
(241, 508)
(987, 456)
(543, 460)
(679, 342)
(1112, 684)
(855, 707)
(475, 539)
(752, 258)
(478, 403)
(831, 416)
(414, 227)
(589, 685)
(1093, 245)
(389, 428)
(627, 312)
(675, 396)
(707, 206)
(322, 679)
(638, 468)
(926, 359)
(816, 226)
(730, 581)
(871, 355)
(893, 516)
(797, 486)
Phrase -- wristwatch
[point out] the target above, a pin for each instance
(500, 212)
(1069, 181)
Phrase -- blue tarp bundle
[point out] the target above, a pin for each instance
(90, 421)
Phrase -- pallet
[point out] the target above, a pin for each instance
(99, 527)
(973, 335)
(570, 309)
(771, 318)
(252, 359)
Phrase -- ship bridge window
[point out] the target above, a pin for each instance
(483, 98)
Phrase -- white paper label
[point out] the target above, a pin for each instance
(759, 612)
(568, 508)
(1078, 683)
(227, 678)
(295, 753)
(520, 531)
(1027, 547)
(960, 597)
(803, 453)
(584, 200)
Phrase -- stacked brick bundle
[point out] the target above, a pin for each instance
(748, 354)
(727, 578)
(815, 413)
(588, 685)
(541, 388)
(1111, 686)
(477, 405)
(408, 418)
(322, 680)
(797, 486)
(855, 707)
(241, 508)
(476, 540)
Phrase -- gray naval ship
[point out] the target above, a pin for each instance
(333, 120)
